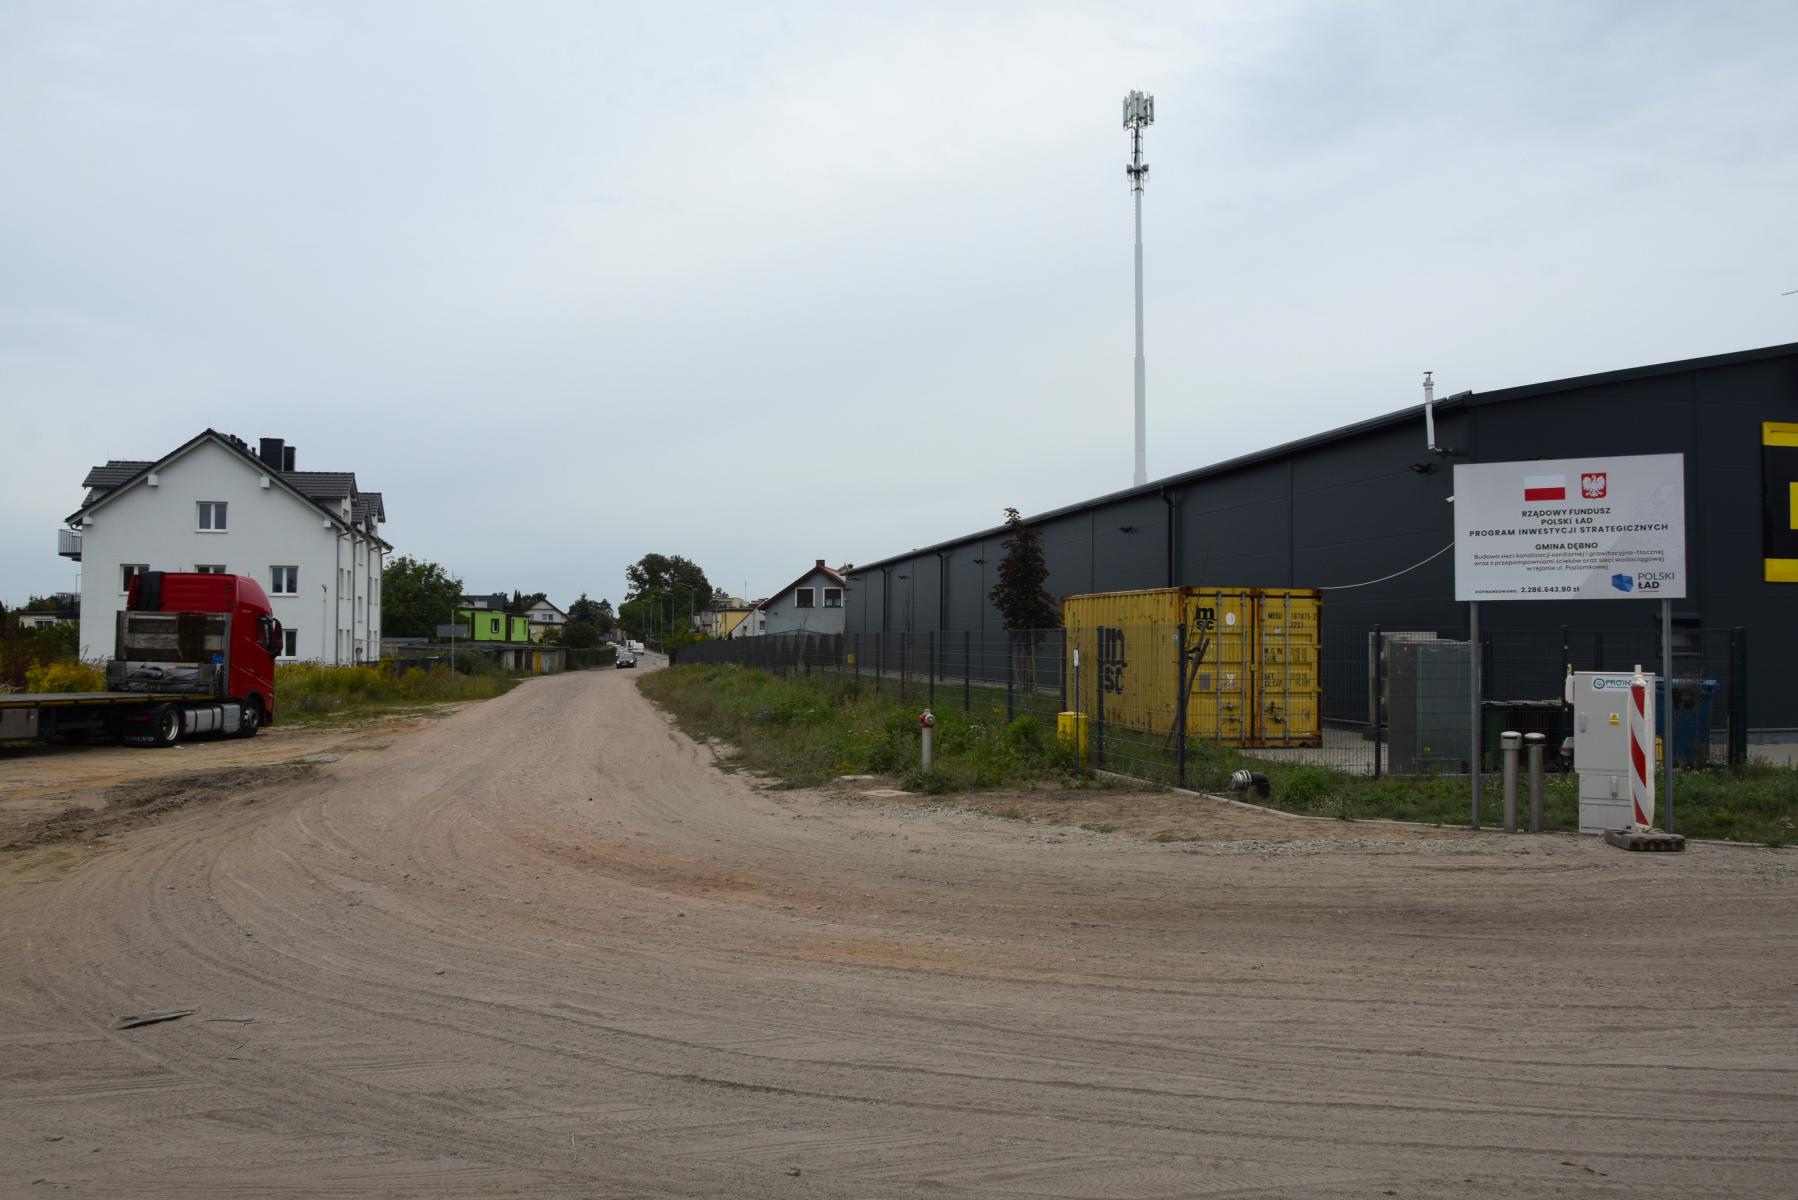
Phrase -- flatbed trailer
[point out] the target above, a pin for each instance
(136, 718)
(195, 654)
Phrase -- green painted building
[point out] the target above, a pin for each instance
(489, 625)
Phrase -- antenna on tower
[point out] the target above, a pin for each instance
(1139, 114)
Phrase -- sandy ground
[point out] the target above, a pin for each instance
(543, 948)
(41, 781)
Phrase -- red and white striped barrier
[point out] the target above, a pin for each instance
(1641, 749)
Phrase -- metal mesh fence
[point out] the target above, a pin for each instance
(1186, 707)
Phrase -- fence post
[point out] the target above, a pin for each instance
(1379, 695)
(1535, 743)
(904, 666)
(1011, 668)
(967, 671)
(1062, 681)
(931, 703)
(1099, 701)
(1738, 697)
(1180, 703)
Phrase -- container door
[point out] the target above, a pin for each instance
(1287, 633)
(1221, 665)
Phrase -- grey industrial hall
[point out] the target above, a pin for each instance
(1354, 505)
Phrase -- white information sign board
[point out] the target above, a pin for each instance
(1571, 529)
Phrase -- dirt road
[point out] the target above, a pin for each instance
(39, 781)
(543, 948)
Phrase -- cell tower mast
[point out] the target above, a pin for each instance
(1139, 114)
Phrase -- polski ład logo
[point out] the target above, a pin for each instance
(1623, 583)
(1594, 484)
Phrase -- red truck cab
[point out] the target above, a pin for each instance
(240, 649)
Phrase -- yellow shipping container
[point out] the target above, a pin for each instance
(1251, 662)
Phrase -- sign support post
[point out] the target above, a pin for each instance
(1473, 680)
(1667, 710)
(1596, 528)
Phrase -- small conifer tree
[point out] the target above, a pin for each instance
(1024, 604)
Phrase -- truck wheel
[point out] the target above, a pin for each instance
(250, 718)
(165, 726)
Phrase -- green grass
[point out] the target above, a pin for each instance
(1755, 803)
(308, 693)
(809, 729)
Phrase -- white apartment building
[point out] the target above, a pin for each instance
(309, 538)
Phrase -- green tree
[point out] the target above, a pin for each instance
(521, 602)
(665, 590)
(1024, 604)
(1022, 600)
(416, 597)
(579, 635)
(599, 612)
(641, 618)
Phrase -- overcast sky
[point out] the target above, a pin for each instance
(760, 284)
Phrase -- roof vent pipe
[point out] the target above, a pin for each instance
(1429, 410)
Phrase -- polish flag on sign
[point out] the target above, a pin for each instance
(1544, 487)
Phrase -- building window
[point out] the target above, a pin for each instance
(286, 580)
(290, 643)
(210, 568)
(212, 516)
(128, 572)
(833, 597)
(806, 598)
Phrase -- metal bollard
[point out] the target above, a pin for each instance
(1537, 744)
(927, 722)
(1512, 743)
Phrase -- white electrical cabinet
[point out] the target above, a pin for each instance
(1600, 702)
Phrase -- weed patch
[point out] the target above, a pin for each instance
(311, 692)
(1755, 803)
(808, 730)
